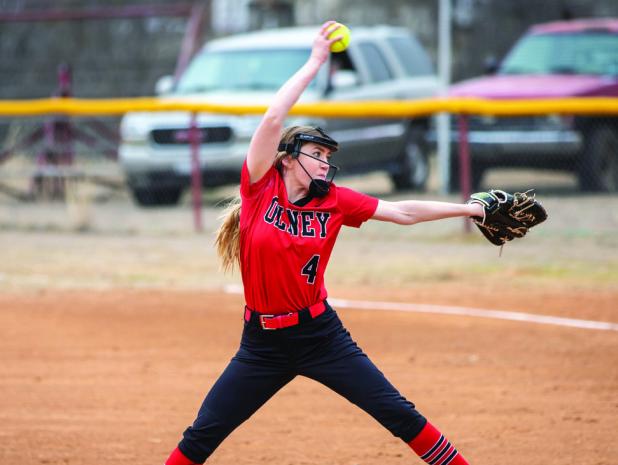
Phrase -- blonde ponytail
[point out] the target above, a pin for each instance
(228, 236)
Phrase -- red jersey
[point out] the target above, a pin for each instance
(284, 248)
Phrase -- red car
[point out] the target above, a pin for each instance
(558, 59)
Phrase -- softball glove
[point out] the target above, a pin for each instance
(507, 216)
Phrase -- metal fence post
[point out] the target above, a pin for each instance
(196, 173)
(465, 173)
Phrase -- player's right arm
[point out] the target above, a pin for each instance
(263, 145)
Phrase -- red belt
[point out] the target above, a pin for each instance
(286, 320)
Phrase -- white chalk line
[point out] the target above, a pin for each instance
(461, 311)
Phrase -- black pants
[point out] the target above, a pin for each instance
(320, 349)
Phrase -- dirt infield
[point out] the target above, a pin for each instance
(114, 326)
(109, 377)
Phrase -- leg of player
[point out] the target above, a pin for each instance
(253, 376)
(434, 448)
(344, 368)
(357, 379)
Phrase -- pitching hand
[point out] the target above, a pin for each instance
(321, 43)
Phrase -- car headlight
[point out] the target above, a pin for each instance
(131, 130)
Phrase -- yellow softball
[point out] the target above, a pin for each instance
(338, 29)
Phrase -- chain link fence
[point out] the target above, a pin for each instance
(57, 169)
(38, 156)
(70, 165)
(583, 148)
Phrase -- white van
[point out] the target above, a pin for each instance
(380, 63)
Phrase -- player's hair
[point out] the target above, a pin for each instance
(228, 236)
(288, 137)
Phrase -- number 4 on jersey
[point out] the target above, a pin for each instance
(311, 269)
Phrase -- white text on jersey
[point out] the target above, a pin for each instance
(303, 223)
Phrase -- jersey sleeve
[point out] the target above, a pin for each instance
(355, 207)
(248, 189)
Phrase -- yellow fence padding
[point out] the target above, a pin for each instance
(383, 108)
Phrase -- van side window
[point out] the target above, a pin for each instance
(341, 61)
(379, 70)
(413, 58)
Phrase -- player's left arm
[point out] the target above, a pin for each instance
(409, 212)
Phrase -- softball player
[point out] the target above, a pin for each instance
(282, 232)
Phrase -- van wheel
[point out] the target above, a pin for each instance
(156, 197)
(597, 167)
(413, 168)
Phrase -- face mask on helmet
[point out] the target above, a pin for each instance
(317, 187)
